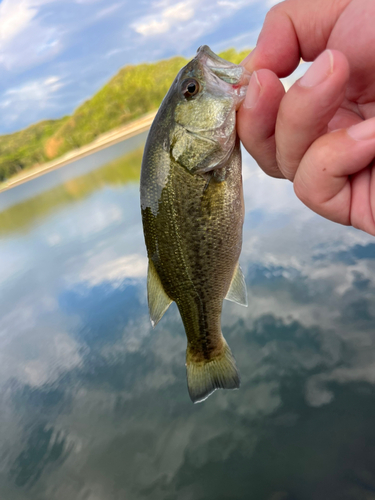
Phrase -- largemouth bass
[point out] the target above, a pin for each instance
(193, 211)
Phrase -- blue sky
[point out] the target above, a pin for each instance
(55, 54)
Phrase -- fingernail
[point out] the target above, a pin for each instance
(320, 69)
(363, 131)
(253, 92)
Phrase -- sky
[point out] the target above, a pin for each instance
(55, 54)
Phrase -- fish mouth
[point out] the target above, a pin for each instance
(233, 74)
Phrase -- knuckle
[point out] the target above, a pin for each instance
(271, 169)
(287, 167)
(266, 159)
(300, 191)
(305, 192)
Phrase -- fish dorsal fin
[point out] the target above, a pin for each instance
(158, 300)
(237, 291)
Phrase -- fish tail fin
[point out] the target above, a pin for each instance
(204, 377)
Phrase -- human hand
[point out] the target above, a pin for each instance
(321, 133)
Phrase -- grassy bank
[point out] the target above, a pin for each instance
(133, 92)
(26, 148)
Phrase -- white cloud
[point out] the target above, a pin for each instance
(181, 12)
(34, 93)
(166, 20)
(24, 39)
(37, 89)
(107, 11)
(113, 52)
(193, 18)
(228, 3)
(235, 5)
(15, 15)
(152, 27)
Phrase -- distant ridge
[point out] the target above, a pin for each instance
(132, 93)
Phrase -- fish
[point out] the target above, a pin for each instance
(193, 211)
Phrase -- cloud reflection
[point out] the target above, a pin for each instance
(117, 270)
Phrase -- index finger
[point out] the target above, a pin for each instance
(294, 29)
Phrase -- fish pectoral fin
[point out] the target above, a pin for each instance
(204, 377)
(158, 300)
(237, 291)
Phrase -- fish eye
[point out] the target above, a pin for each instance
(190, 87)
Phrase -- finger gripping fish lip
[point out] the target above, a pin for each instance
(233, 74)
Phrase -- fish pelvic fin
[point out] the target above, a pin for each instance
(204, 377)
(158, 300)
(237, 291)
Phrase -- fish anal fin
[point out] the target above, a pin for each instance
(205, 376)
(158, 300)
(237, 291)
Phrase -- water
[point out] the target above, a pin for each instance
(94, 404)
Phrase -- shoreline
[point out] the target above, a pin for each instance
(102, 141)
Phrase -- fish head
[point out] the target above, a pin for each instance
(207, 92)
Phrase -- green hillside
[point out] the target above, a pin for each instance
(133, 92)
(25, 148)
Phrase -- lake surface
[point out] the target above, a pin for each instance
(93, 402)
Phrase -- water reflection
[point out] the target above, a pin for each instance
(22, 215)
(43, 447)
(94, 402)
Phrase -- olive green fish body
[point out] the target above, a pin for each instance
(192, 211)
